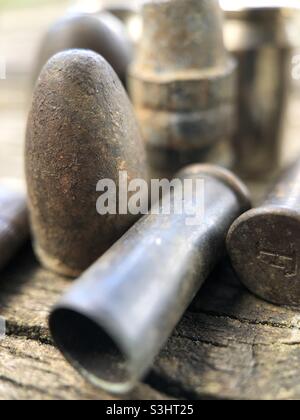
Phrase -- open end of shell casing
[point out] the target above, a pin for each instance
(182, 82)
(264, 244)
(116, 318)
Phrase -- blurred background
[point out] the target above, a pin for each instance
(22, 26)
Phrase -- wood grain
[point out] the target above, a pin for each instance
(228, 345)
(31, 367)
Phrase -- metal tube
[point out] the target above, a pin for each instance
(14, 226)
(182, 83)
(264, 243)
(260, 36)
(116, 318)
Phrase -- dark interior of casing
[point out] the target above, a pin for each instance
(88, 346)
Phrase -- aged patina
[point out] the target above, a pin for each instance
(264, 243)
(81, 129)
(14, 225)
(182, 83)
(116, 318)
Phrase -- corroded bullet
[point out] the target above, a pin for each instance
(81, 129)
(102, 33)
(116, 318)
(264, 243)
(261, 36)
(182, 82)
(14, 226)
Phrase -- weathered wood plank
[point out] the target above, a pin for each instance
(228, 345)
(232, 345)
(31, 367)
(31, 370)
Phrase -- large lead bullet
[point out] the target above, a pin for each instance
(14, 226)
(182, 82)
(81, 130)
(264, 243)
(116, 318)
(261, 35)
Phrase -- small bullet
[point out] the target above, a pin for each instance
(264, 243)
(182, 83)
(102, 33)
(116, 318)
(81, 130)
(14, 225)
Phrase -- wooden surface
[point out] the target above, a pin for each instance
(31, 367)
(229, 344)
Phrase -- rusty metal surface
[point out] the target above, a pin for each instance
(14, 226)
(261, 40)
(100, 32)
(116, 318)
(264, 243)
(182, 82)
(81, 129)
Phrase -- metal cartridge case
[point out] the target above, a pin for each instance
(264, 243)
(116, 318)
(81, 130)
(103, 33)
(14, 225)
(261, 36)
(182, 82)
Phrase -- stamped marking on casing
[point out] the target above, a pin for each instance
(285, 263)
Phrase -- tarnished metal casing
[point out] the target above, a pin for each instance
(81, 129)
(182, 82)
(264, 243)
(261, 36)
(102, 33)
(117, 317)
(14, 225)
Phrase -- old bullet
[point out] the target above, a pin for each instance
(116, 318)
(14, 226)
(261, 37)
(81, 129)
(102, 33)
(182, 82)
(264, 243)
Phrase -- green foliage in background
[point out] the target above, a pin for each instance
(25, 3)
